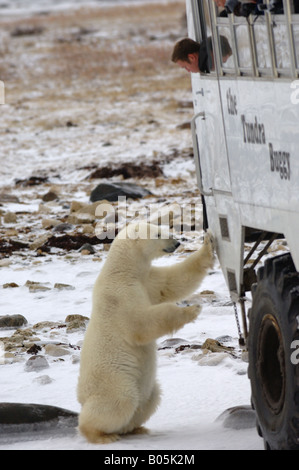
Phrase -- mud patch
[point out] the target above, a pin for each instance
(7, 247)
(129, 170)
(71, 242)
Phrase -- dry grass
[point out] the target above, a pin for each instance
(64, 45)
(73, 58)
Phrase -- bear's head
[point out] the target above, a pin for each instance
(153, 240)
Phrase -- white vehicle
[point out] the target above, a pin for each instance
(246, 146)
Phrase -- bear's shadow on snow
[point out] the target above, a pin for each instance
(31, 421)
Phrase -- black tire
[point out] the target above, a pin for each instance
(273, 367)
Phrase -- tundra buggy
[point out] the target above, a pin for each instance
(246, 148)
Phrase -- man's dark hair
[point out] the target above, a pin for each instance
(183, 48)
(225, 47)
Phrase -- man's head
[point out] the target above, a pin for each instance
(185, 54)
(195, 57)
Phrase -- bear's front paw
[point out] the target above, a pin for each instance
(209, 247)
(209, 240)
(192, 312)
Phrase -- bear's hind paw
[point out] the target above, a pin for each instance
(140, 430)
(94, 436)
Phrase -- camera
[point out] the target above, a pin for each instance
(275, 7)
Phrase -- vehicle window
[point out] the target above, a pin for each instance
(207, 50)
(243, 48)
(264, 44)
(296, 41)
(225, 46)
(281, 45)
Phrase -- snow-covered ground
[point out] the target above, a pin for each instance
(196, 388)
(62, 130)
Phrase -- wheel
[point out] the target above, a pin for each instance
(273, 367)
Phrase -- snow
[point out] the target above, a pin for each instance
(195, 391)
(194, 395)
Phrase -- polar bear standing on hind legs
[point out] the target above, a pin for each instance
(133, 305)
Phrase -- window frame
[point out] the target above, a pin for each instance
(288, 19)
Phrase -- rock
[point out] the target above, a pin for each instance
(214, 346)
(56, 350)
(43, 380)
(92, 208)
(74, 317)
(24, 332)
(224, 339)
(39, 241)
(10, 218)
(87, 249)
(63, 227)
(75, 206)
(44, 209)
(11, 232)
(81, 218)
(87, 228)
(9, 285)
(112, 191)
(4, 263)
(210, 359)
(50, 196)
(48, 223)
(238, 417)
(90, 212)
(26, 417)
(75, 326)
(12, 321)
(47, 325)
(4, 197)
(76, 322)
(21, 341)
(172, 343)
(36, 286)
(36, 363)
(60, 286)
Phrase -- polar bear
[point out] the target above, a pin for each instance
(133, 305)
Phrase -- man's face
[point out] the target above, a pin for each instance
(191, 65)
(220, 3)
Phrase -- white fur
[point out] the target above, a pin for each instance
(133, 305)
